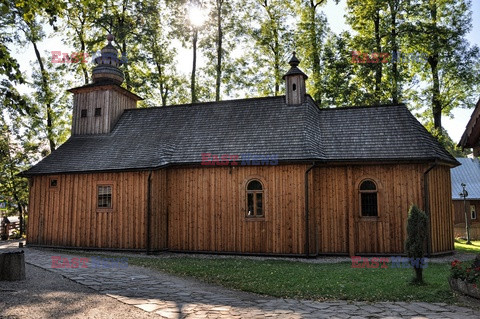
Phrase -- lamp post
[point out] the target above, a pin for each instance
(464, 194)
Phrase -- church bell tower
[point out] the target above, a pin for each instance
(295, 83)
(97, 106)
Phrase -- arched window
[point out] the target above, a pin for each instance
(368, 198)
(254, 199)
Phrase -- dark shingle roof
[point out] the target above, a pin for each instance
(469, 174)
(154, 137)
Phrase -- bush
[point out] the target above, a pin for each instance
(469, 274)
(416, 238)
(15, 234)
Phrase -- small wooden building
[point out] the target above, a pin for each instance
(273, 175)
(469, 174)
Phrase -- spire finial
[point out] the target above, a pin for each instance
(110, 38)
(294, 61)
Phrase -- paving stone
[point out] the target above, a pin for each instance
(149, 307)
(165, 296)
(168, 314)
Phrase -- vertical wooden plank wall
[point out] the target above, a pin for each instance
(67, 215)
(111, 102)
(441, 209)
(336, 202)
(203, 209)
(207, 206)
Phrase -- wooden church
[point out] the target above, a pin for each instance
(273, 175)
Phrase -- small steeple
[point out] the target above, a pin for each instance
(295, 83)
(107, 65)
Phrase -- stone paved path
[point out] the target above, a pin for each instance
(166, 296)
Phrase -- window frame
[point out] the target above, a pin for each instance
(50, 180)
(98, 112)
(254, 193)
(112, 197)
(83, 113)
(375, 191)
(473, 212)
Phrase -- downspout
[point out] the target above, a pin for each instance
(307, 213)
(426, 205)
(149, 212)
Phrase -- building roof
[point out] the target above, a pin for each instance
(154, 137)
(469, 174)
(471, 136)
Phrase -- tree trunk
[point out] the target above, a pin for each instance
(163, 90)
(46, 91)
(433, 61)
(127, 74)
(378, 66)
(418, 275)
(219, 50)
(277, 63)
(83, 62)
(194, 66)
(395, 74)
(315, 53)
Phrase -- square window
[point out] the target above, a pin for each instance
(83, 113)
(104, 196)
(98, 111)
(53, 183)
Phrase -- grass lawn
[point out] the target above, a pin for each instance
(461, 246)
(310, 281)
(295, 279)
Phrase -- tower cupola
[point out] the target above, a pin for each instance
(295, 83)
(107, 65)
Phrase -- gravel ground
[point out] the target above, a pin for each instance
(48, 295)
(316, 260)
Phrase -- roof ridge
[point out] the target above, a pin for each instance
(362, 107)
(208, 103)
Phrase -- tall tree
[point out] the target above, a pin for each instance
(272, 44)
(31, 27)
(120, 18)
(438, 29)
(312, 30)
(14, 158)
(80, 21)
(367, 18)
(336, 84)
(156, 36)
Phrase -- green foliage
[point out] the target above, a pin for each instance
(245, 46)
(470, 274)
(437, 29)
(442, 136)
(417, 231)
(272, 38)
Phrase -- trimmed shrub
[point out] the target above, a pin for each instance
(416, 238)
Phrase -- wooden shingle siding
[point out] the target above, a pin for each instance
(68, 215)
(336, 202)
(207, 208)
(112, 104)
(204, 208)
(441, 210)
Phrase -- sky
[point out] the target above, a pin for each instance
(335, 15)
